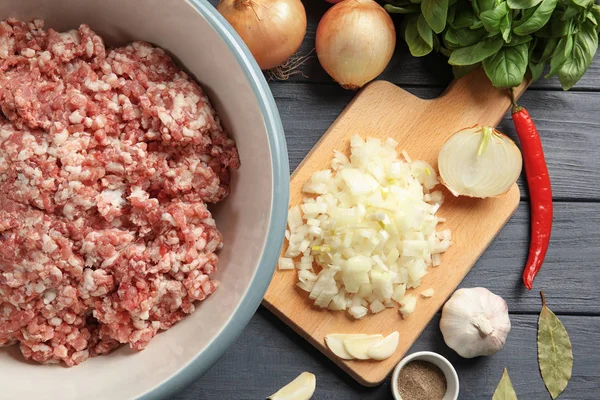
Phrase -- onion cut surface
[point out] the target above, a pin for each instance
(366, 231)
(479, 162)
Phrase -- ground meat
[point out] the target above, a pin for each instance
(107, 160)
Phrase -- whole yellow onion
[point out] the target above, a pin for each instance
(355, 42)
(273, 30)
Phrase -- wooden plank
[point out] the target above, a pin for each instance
(570, 271)
(567, 121)
(269, 354)
(383, 110)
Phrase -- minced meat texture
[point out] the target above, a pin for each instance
(108, 158)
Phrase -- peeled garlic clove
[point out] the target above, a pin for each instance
(385, 348)
(475, 322)
(301, 388)
(359, 347)
(335, 342)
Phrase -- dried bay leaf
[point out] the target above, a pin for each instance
(505, 390)
(555, 353)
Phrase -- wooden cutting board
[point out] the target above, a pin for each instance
(421, 127)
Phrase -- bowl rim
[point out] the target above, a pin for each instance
(279, 208)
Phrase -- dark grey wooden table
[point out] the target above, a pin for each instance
(269, 354)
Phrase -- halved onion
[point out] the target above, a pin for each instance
(479, 162)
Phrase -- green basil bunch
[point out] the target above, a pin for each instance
(506, 37)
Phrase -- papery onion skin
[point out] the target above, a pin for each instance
(273, 30)
(450, 154)
(355, 41)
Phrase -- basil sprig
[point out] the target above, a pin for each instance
(507, 37)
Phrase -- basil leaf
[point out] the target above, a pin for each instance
(464, 37)
(555, 352)
(463, 17)
(517, 40)
(560, 54)
(483, 5)
(538, 19)
(491, 19)
(556, 27)
(436, 43)
(505, 389)
(584, 47)
(596, 12)
(445, 51)
(450, 16)
(505, 27)
(507, 67)
(461, 70)
(583, 3)
(592, 18)
(523, 4)
(416, 44)
(425, 31)
(435, 12)
(477, 52)
(549, 49)
(571, 12)
(408, 9)
(537, 69)
(478, 24)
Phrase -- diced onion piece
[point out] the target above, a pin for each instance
(479, 162)
(306, 286)
(301, 388)
(357, 312)
(286, 263)
(359, 347)
(407, 307)
(376, 306)
(294, 218)
(385, 348)
(427, 293)
(339, 301)
(399, 292)
(335, 342)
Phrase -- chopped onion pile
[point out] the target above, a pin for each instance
(370, 229)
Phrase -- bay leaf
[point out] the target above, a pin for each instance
(505, 390)
(555, 353)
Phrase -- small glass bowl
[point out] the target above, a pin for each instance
(437, 360)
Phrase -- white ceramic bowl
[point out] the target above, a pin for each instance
(437, 360)
(252, 219)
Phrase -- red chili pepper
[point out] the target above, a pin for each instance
(540, 191)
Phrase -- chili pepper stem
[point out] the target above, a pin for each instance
(515, 107)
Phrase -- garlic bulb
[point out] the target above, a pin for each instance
(475, 322)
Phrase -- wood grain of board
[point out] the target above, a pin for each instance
(421, 127)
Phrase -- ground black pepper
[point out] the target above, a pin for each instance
(421, 380)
